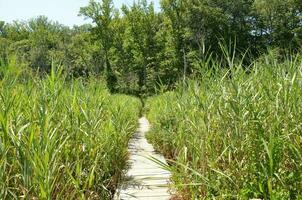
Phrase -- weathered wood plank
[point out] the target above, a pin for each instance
(145, 179)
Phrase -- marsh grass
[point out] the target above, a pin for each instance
(61, 139)
(234, 133)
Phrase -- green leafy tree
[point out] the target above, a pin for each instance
(279, 22)
(47, 40)
(82, 53)
(101, 14)
(2, 29)
(140, 43)
(3, 44)
(175, 25)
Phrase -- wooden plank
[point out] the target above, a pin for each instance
(145, 180)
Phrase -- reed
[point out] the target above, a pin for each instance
(234, 133)
(61, 139)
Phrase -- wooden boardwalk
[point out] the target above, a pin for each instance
(145, 180)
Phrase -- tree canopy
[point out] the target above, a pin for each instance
(137, 49)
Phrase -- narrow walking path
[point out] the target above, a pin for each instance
(145, 180)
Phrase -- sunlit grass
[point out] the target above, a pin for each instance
(61, 139)
(235, 133)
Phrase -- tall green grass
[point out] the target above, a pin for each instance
(235, 133)
(61, 139)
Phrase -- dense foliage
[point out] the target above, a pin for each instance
(230, 125)
(137, 48)
(234, 135)
(61, 139)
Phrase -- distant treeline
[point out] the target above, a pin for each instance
(137, 48)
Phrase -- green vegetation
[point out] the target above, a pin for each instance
(230, 125)
(138, 48)
(61, 139)
(235, 133)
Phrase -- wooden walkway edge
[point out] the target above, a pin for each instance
(145, 180)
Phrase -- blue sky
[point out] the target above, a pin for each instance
(63, 11)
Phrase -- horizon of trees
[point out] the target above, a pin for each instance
(136, 48)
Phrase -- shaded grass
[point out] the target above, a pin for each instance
(235, 133)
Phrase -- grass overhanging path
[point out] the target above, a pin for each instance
(145, 179)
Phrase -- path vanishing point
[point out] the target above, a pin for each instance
(145, 179)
